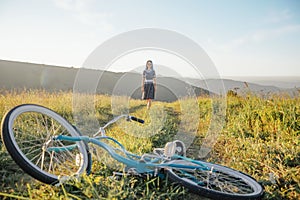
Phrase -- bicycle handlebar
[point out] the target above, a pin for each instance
(128, 117)
(136, 119)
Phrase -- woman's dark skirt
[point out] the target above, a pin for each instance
(149, 91)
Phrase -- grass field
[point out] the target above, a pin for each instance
(261, 138)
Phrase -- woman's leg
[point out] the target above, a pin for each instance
(149, 104)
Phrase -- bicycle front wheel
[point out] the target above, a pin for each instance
(216, 181)
(27, 133)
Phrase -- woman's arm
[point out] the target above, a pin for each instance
(143, 83)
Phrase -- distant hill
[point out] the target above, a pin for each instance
(240, 87)
(18, 75)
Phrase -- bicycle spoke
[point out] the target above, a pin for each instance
(31, 133)
(224, 182)
(215, 180)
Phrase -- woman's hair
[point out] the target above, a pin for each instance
(150, 62)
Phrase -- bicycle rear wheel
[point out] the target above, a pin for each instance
(28, 131)
(218, 182)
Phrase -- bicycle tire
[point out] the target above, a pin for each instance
(220, 183)
(25, 130)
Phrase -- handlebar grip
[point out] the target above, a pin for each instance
(137, 119)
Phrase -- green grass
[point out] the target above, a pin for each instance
(261, 138)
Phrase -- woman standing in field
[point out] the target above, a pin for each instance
(148, 83)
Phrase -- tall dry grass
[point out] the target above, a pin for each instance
(260, 137)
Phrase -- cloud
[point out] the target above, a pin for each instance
(83, 11)
(278, 16)
(259, 36)
(278, 23)
(268, 34)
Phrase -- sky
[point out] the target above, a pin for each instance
(242, 38)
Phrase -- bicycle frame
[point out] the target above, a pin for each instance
(147, 163)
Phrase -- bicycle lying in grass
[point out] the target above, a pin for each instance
(50, 149)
